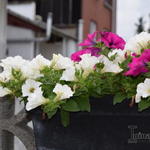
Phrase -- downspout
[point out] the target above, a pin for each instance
(80, 31)
(48, 34)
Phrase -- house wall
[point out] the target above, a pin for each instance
(95, 11)
(24, 49)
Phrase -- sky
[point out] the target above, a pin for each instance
(128, 12)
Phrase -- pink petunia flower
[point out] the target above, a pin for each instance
(90, 50)
(90, 40)
(138, 64)
(112, 40)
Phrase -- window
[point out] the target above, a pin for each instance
(65, 12)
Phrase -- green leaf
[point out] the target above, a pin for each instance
(113, 57)
(83, 103)
(65, 118)
(144, 104)
(16, 74)
(71, 106)
(147, 74)
(51, 107)
(50, 114)
(118, 98)
(124, 64)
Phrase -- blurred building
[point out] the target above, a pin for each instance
(72, 19)
(28, 35)
(97, 14)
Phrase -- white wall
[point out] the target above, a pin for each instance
(24, 49)
(26, 9)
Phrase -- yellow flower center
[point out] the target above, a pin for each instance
(32, 90)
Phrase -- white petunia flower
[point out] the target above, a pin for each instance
(5, 76)
(109, 66)
(88, 62)
(119, 55)
(137, 98)
(4, 91)
(138, 42)
(143, 90)
(32, 69)
(68, 74)
(13, 62)
(39, 62)
(31, 72)
(10, 63)
(78, 66)
(34, 92)
(35, 100)
(60, 62)
(63, 91)
(31, 87)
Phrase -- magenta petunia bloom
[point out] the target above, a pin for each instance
(112, 40)
(91, 50)
(90, 40)
(138, 64)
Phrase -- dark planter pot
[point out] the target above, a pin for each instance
(106, 127)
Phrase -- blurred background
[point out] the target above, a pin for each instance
(54, 26)
(31, 27)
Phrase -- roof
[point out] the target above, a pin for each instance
(37, 26)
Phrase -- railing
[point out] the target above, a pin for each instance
(14, 125)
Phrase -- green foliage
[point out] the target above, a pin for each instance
(105, 51)
(113, 57)
(144, 104)
(71, 106)
(80, 85)
(148, 73)
(124, 64)
(100, 84)
(51, 107)
(75, 104)
(15, 84)
(118, 98)
(83, 103)
(50, 76)
(99, 45)
(129, 84)
(49, 80)
(65, 118)
(17, 74)
(51, 113)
